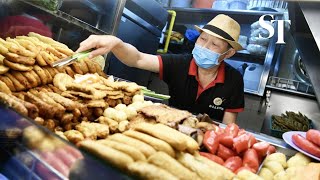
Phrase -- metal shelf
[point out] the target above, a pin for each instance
(69, 19)
(289, 85)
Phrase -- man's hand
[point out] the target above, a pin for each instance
(101, 43)
(125, 52)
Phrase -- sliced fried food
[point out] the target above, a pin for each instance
(55, 89)
(133, 152)
(19, 107)
(8, 82)
(36, 77)
(157, 144)
(62, 50)
(113, 125)
(60, 109)
(146, 149)
(150, 172)
(4, 88)
(3, 69)
(66, 118)
(46, 56)
(55, 52)
(108, 154)
(3, 49)
(45, 110)
(74, 136)
(76, 68)
(17, 66)
(116, 96)
(83, 66)
(40, 60)
(65, 102)
(66, 94)
(51, 71)
(22, 50)
(23, 80)
(15, 58)
(41, 73)
(28, 45)
(100, 70)
(69, 71)
(61, 80)
(18, 86)
(170, 164)
(33, 111)
(48, 75)
(165, 133)
(96, 103)
(91, 66)
(32, 79)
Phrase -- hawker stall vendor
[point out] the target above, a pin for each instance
(200, 82)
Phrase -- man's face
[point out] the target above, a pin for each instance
(214, 44)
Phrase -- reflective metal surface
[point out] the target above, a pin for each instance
(305, 29)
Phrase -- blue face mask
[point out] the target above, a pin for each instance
(205, 58)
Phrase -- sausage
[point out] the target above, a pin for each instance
(261, 148)
(271, 150)
(226, 140)
(306, 145)
(210, 141)
(65, 157)
(252, 141)
(212, 157)
(241, 143)
(251, 160)
(56, 163)
(233, 163)
(44, 172)
(225, 152)
(314, 136)
(241, 131)
(232, 129)
(74, 152)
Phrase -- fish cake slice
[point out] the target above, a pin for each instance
(23, 80)
(16, 66)
(42, 74)
(18, 86)
(8, 82)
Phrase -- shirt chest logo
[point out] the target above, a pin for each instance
(217, 102)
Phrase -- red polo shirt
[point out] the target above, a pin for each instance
(224, 93)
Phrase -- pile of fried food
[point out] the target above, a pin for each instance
(291, 121)
(156, 151)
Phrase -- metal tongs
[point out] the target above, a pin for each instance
(69, 60)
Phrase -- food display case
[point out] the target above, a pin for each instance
(29, 151)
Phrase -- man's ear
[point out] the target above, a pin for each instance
(230, 53)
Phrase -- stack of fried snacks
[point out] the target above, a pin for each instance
(156, 152)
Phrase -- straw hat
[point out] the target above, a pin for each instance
(223, 27)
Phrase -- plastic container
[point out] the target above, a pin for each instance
(220, 4)
(238, 4)
(202, 3)
(180, 3)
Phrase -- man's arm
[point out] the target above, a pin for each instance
(229, 117)
(125, 52)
